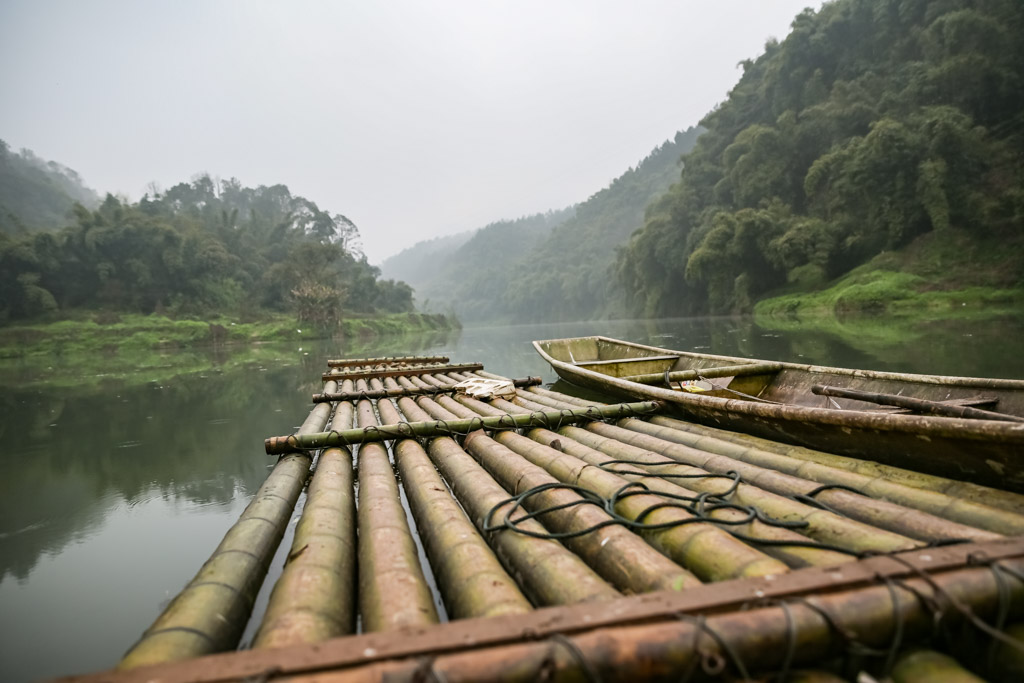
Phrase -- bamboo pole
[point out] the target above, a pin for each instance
(878, 513)
(775, 537)
(398, 392)
(314, 599)
(404, 430)
(1006, 500)
(387, 360)
(392, 590)
(210, 613)
(884, 514)
(395, 372)
(933, 502)
(469, 576)
(741, 370)
(761, 640)
(929, 666)
(916, 404)
(548, 573)
(822, 525)
(617, 554)
(706, 550)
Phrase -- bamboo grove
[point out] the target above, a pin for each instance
(203, 247)
(872, 123)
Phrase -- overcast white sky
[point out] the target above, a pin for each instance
(414, 119)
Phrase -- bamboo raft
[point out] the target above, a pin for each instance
(573, 540)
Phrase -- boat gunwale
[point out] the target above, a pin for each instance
(922, 425)
(942, 380)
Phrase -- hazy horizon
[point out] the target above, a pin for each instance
(413, 120)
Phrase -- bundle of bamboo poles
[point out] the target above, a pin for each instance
(493, 509)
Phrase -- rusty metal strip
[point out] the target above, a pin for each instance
(397, 372)
(476, 633)
(387, 360)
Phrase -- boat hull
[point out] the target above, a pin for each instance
(984, 451)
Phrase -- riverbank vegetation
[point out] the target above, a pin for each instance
(202, 249)
(871, 125)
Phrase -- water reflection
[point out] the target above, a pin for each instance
(122, 474)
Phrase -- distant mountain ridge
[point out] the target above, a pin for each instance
(551, 266)
(36, 194)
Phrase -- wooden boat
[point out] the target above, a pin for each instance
(959, 427)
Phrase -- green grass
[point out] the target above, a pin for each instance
(951, 273)
(135, 333)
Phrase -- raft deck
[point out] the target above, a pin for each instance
(573, 540)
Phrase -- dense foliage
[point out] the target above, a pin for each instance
(37, 194)
(872, 123)
(200, 247)
(473, 279)
(552, 266)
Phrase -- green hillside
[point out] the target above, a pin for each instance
(37, 194)
(552, 266)
(874, 123)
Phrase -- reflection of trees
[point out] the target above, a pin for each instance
(195, 439)
(192, 440)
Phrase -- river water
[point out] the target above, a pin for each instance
(121, 474)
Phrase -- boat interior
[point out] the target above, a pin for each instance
(784, 383)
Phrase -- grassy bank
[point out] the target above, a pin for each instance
(948, 274)
(134, 333)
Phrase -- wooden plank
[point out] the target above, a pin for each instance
(742, 370)
(615, 361)
(469, 634)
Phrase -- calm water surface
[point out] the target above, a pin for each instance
(121, 477)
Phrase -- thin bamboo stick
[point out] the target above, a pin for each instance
(392, 590)
(210, 613)
(314, 599)
(348, 437)
(878, 513)
(706, 550)
(915, 404)
(548, 573)
(469, 576)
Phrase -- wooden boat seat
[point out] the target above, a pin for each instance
(639, 359)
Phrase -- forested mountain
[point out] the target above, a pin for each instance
(874, 122)
(553, 266)
(568, 276)
(37, 194)
(472, 280)
(198, 248)
(416, 264)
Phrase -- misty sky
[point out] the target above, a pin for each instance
(414, 119)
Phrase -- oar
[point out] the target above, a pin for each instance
(919, 404)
